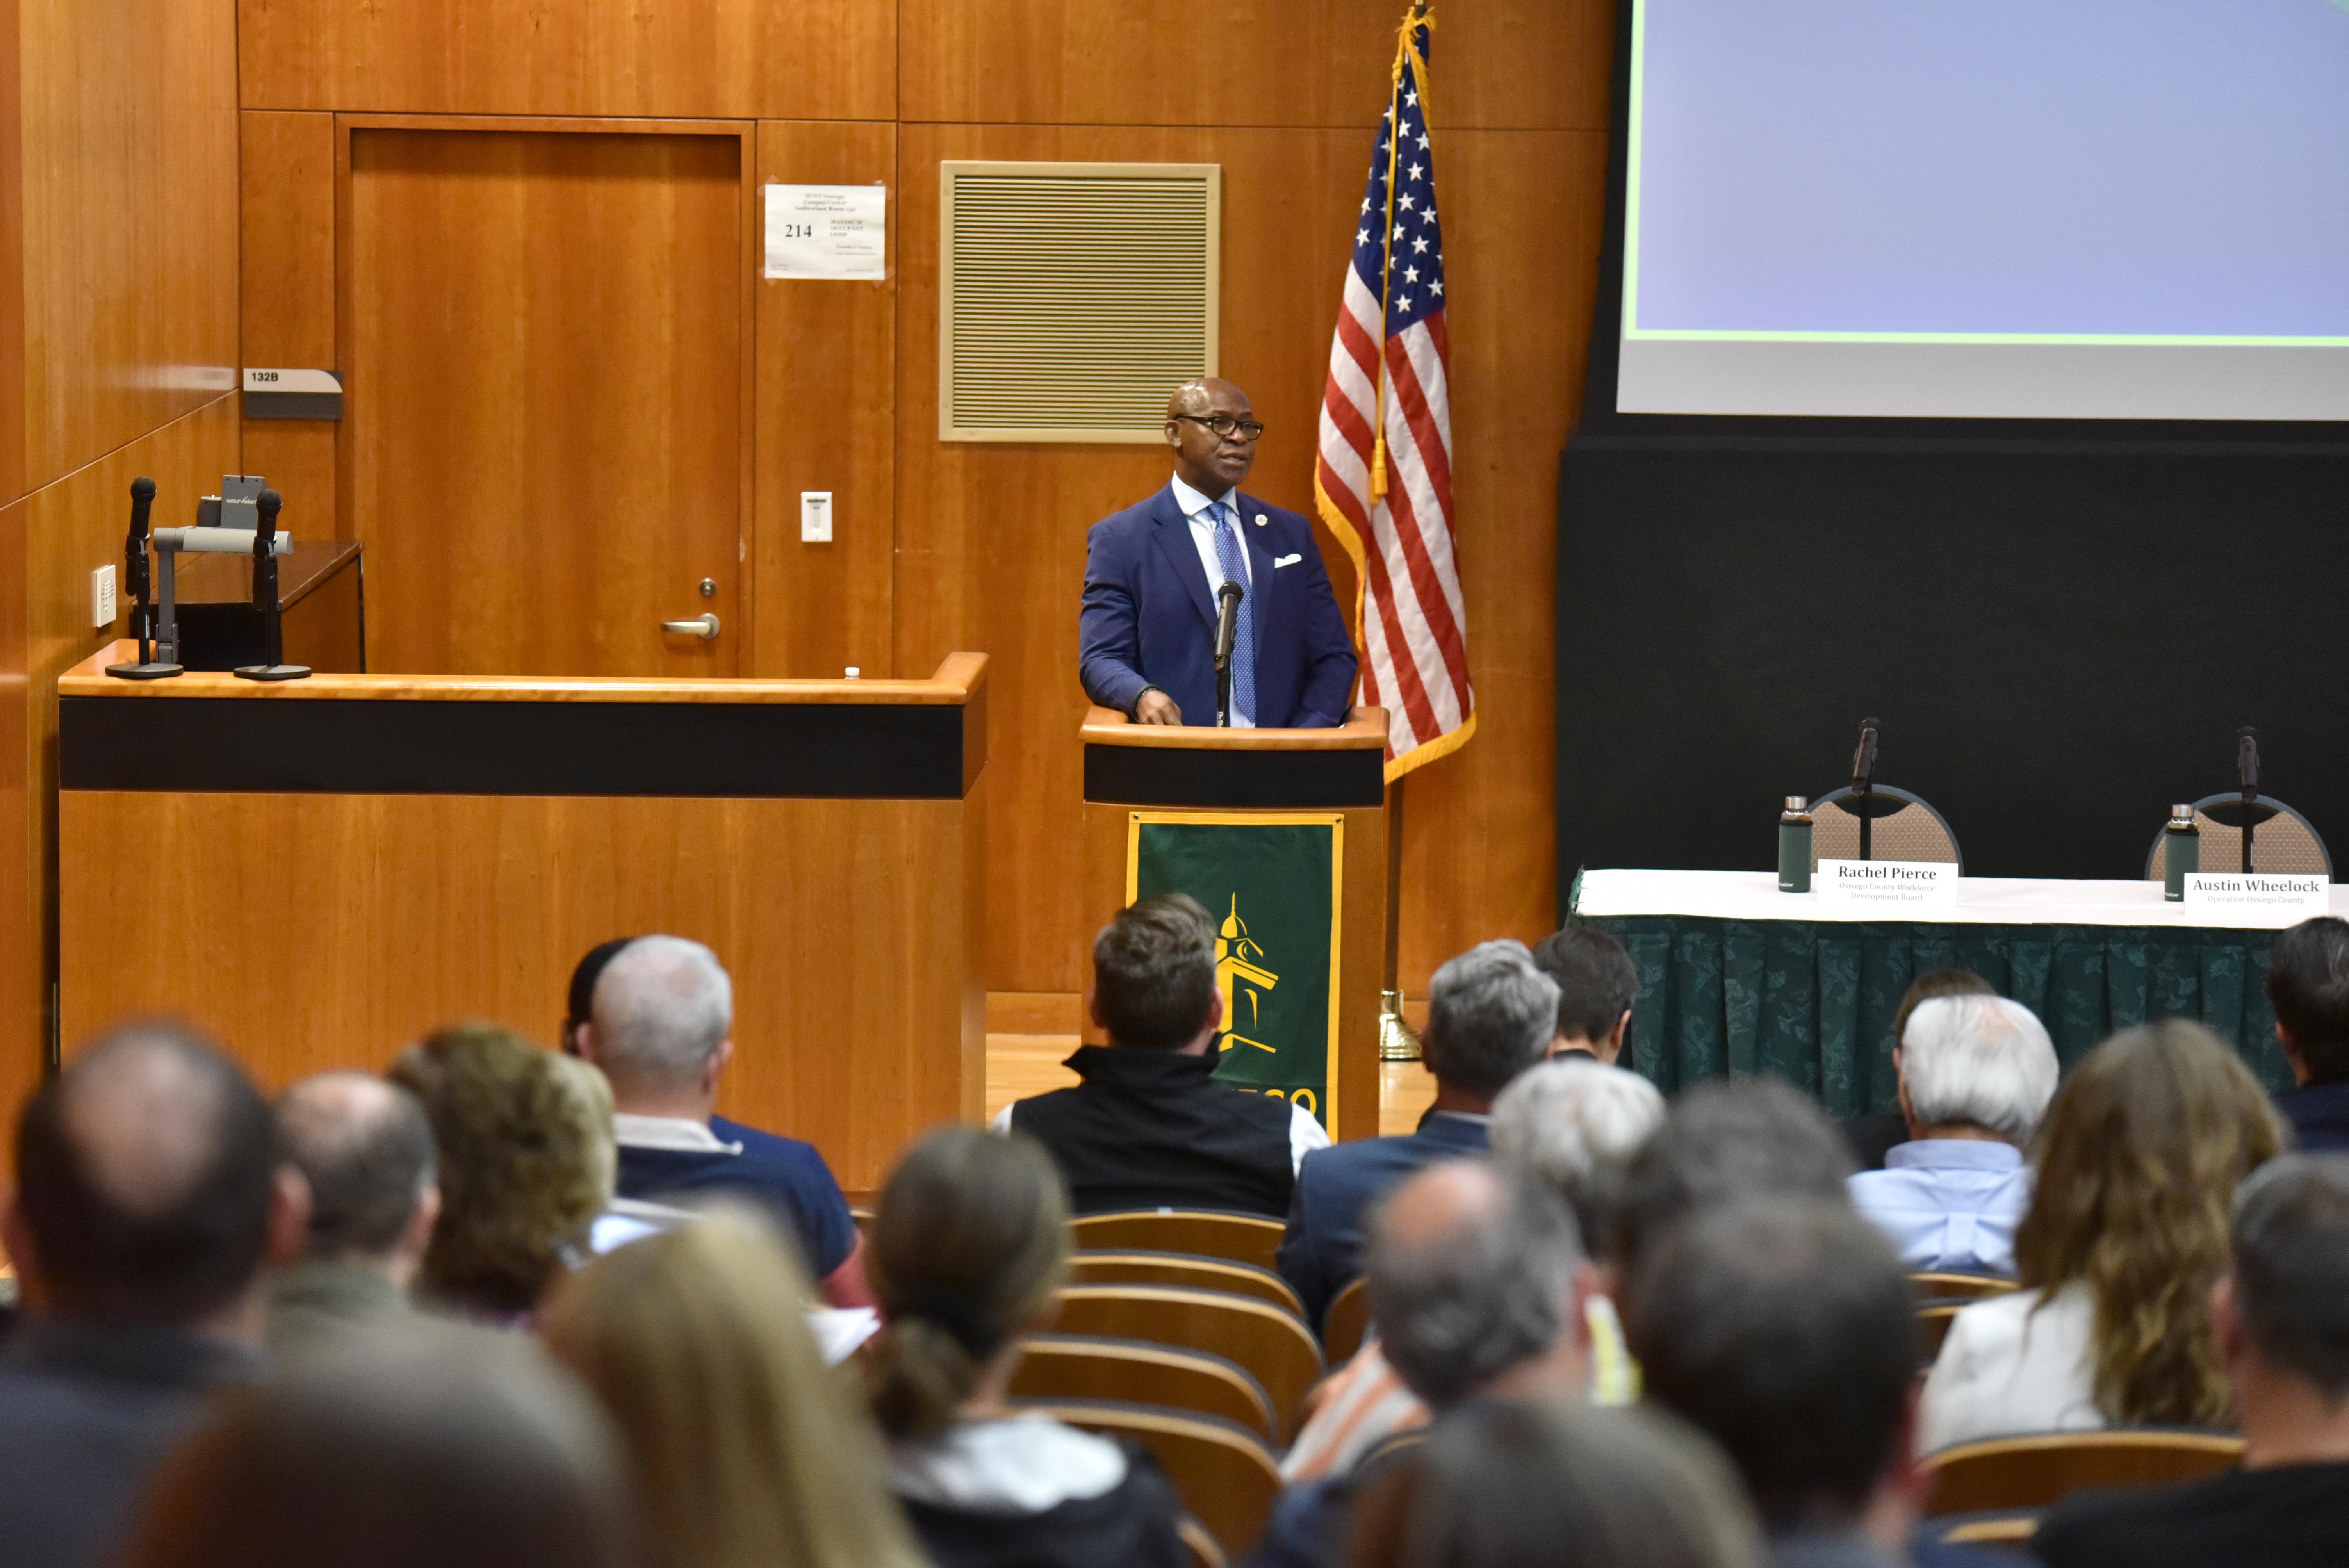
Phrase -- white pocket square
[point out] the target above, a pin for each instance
(1280, 561)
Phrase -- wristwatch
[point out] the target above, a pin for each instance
(1134, 713)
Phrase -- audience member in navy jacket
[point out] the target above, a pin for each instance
(2308, 981)
(661, 1029)
(1490, 1016)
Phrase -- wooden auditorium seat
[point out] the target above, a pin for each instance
(1933, 1320)
(1347, 1320)
(1273, 1345)
(1202, 1546)
(1226, 1475)
(1135, 1371)
(2014, 1475)
(1134, 1265)
(1972, 1287)
(1242, 1238)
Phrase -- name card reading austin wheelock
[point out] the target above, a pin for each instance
(2261, 897)
(1892, 888)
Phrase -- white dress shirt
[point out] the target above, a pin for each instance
(1197, 509)
(2013, 1363)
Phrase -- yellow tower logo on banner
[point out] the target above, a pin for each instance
(1237, 974)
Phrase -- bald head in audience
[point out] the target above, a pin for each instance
(149, 1188)
(1476, 1281)
(364, 1147)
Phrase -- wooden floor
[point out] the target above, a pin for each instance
(1029, 1035)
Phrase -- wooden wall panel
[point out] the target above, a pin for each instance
(1540, 64)
(129, 128)
(992, 537)
(11, 272)
(287, 312)
(361, 921)
(825, 421)
(66, 528)
(545, 421)
(692, 58)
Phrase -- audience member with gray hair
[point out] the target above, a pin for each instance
(1573, 1124)
(1490, 1016)
(365, 1146)
(1976, 1075)
(1476, 1285)
(2281, 1319)
(661, 1029)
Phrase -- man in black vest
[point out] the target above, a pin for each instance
(1150, 1126)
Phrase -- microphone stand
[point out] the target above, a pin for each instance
(273, 667)
(135, 581)
(1227, 626)
(2247, 771)
(1863, 787)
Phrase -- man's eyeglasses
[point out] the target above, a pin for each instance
(1224, 426)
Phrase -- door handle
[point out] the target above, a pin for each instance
(704, 626)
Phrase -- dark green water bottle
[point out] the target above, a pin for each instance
(2181, 853)
(1794, 846)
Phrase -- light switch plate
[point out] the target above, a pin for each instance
(815, 517)
(101, 596)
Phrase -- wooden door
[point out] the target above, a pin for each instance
(545, 431)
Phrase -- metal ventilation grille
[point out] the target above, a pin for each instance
(1073, 297)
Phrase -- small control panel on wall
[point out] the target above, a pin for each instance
(815, 517)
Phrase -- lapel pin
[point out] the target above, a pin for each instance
(1262, 520)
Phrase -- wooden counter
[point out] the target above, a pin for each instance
(318, 871)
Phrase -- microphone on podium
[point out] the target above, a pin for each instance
(1863, 787)
(2247, 762)
(1227, 626)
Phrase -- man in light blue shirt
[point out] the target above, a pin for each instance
(1976, 1075)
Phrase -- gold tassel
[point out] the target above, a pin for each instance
(1378, 467)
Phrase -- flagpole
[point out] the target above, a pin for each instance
(1398, 1041)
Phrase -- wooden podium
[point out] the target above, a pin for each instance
(318, 871)
(1188, 808)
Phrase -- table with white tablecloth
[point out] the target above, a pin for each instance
(1736, 977)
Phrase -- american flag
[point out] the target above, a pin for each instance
(1383, 478)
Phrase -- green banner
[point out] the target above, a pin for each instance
(1271, 884)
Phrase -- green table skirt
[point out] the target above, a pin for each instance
(1814, 1002)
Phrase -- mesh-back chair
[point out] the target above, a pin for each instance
(1905, 828)
(2282, 840)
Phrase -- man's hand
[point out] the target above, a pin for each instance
(1154, 707)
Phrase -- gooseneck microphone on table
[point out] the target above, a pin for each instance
(2247, 773)
(1863, 784)
(136, 584)
(1227, 626)
(273, 667)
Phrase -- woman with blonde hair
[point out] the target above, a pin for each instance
(970, 1245)
(2139, 1159)
(747, 1448)
(523, 1139)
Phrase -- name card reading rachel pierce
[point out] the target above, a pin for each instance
(1890, 888)
(2288, 900)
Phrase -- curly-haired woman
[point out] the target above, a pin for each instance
(2138, 1162)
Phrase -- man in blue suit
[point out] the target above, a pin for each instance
(1490, 1016)
(1145, 637)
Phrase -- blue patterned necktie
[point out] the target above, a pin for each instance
(1227, 556)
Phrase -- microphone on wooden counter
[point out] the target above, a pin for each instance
(273, 666)
(136, 584)
(2247, 773)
